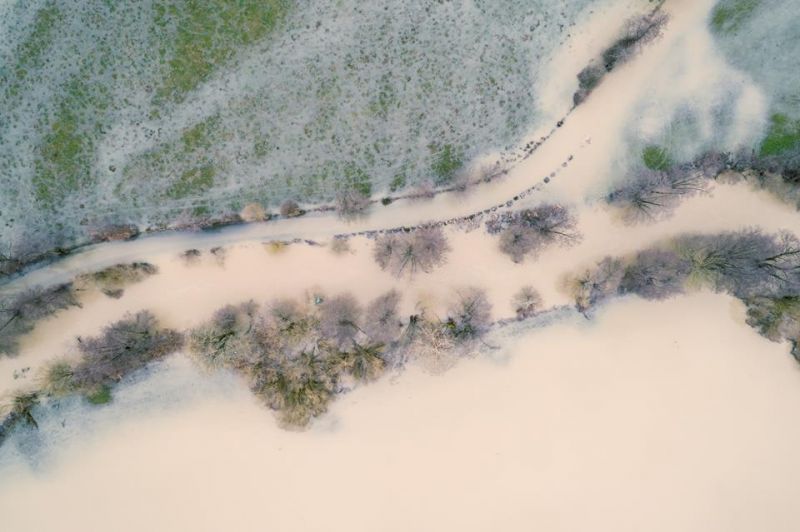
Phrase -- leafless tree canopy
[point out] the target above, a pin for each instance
(526, 302)
(655, 274)
(597, 284)
(340, 318)
(122, 348)
(19, 313)
(652, 194)
(382, 324)
(351, 203)
(470, 316)
(408, 253)
(528, 231)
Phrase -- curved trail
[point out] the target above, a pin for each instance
(574, 159)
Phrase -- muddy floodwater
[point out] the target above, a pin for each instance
(669, 415)
(656, 416)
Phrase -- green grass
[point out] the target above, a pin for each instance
(33, 48)
(447, 161)
(193, 181)
(656, 158)
(100, 396)
(65, 154)
(728, 15)
(783, 135)
(358, 179)
(201, 135)
(208, 34)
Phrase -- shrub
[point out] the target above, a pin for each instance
(364, 363)
(115, 278)
(290, 209)
(420, 250)
(225, 341)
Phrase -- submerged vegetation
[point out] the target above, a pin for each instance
(528, 231)
(121, 349)
(297, 356)
(20, 312)
(761, 270)
(419, 250)
(113, 280)
(637, 33)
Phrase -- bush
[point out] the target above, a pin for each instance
(225, 341)
(115, 278)
(19, 313)
(420, 250)
(290, 209)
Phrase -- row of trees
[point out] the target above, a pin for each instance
(762, 270)
(120, 349)
(297, 356)
(637, 32)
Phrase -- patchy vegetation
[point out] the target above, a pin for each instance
(19, 313)
(728, 15)
(113, 280)
(151, 114)
(761, 270)
(637, 33)
(528, 231)
(419, 250)
(297, 356)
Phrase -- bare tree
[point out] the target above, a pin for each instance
(123, 347)
(652, 194)
(339, 320)
(655, 274)
(19, 313)
(745, 263)
(528, 231)
(419, 250)
(382, 324)
(470, 316)
(351, 202)
(227, 339)
(527, 302)
(597, 284)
